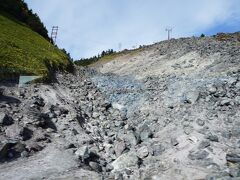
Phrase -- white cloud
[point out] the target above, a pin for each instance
(90, 26)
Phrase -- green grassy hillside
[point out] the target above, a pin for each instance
(25, 52)
(106, 58)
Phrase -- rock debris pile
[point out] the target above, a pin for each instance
(170, 111)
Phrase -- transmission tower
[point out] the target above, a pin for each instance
(54, 34)
(169, 31)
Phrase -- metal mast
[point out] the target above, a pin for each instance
(54, 34)
(169, 31)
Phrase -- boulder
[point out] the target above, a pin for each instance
(158, 149)
(26, 133)
(212, 89)
(34, 147)
(174, 141)
(95, 166)
(204, 144)
(238, 85)
(119, 148)
(212, 137)
(145, 132)
(233, 158)
(142, 152)
(126, 160)
(129, 138)
(192, 96)
(226, 102)
(13, 131)
(10, 150)
(83, 153)
(5, 120)
(198, 155)
(200, 122)
(38, 101)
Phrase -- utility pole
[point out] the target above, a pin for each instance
(169, 31)
(120, 46)
(54, 34)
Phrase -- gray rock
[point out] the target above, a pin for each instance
(106, 105)
(119, 148)
(83, 153)
(24, 154)
(185, 123)
(174, 141)
(129, 138)
(233, 158)
(38, 101)
(237, 100)
(198, 155)
(192, 96)
(5, 120)
(10, 150)
(234, 172)
(212, 89)
(119, 124)
(95, 166)
(118, 176)
(128, 127)
(212, 137)
(200, 122)
(26, 133)
(126, 160)
(109, 167)
(52, 115)
(226, 102)
(63, 111)
(238, 85)
(34, 147)
(95, 115)
(188, 130)
(13, 131)
(158, 149)
(204, 144)
(142, 152)
(226, 134)
(145, 132)
(4, 148)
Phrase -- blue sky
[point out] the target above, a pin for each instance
(88, 27)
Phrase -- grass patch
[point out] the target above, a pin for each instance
(228, 37)
(111, 57)
(107, 58)
(24, 52)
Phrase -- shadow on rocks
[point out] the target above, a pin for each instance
(9, 99)
(11, 150)
(46, 122)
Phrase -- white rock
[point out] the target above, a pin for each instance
(126, 160)
(117, 106)
(142, 152)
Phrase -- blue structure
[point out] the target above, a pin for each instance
(25, 79)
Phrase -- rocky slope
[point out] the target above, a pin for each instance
(171, 111)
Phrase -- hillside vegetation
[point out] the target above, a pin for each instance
(23, 51)
(105, 57)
